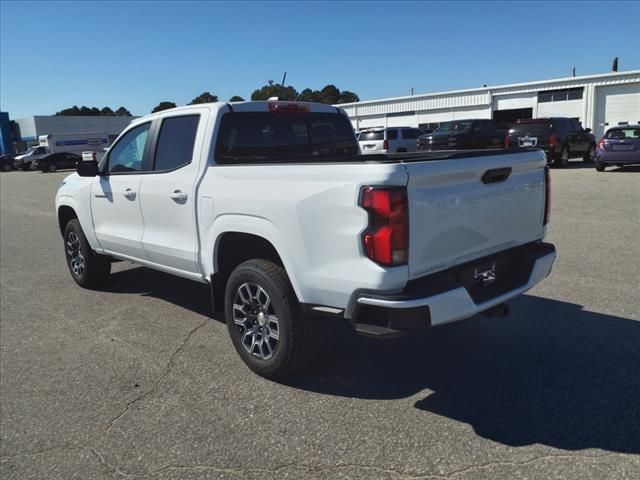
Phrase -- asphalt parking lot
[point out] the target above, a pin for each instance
(137, 381)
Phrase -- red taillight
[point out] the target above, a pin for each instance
(385, 145)
(288, 107)
(553, 140)
(506, 141)
(601, 144)
(547, 195)
(386, 239)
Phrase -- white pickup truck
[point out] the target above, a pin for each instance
(272, 204)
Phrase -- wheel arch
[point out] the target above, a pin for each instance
(66, 213)
(235, 240)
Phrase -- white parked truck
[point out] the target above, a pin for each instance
(272, 205)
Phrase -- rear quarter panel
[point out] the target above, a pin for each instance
(310, 214)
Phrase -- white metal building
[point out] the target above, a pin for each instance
(598, 101)
(30, 128)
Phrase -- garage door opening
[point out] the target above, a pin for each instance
(504, 118)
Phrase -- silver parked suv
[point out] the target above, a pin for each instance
(389, 140)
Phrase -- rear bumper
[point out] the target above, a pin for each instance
(450, 296)
(621, 158)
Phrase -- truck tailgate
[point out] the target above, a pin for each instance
(456, 217)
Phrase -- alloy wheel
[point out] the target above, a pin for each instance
(74, 252)
(256, 321)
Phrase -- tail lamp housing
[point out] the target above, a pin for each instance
(386, 238)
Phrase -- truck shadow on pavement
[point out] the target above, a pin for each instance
(550, 373)
(185, 293)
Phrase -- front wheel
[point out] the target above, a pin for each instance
(265, 321)
(590, 155)
(88, 269)
(53, 168)
(600, 167)
(6, 167)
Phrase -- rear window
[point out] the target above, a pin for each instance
(622, 133)
(459, 126)
(371, 136)
(540, 128)
(265, 137)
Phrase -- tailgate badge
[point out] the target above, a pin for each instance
(485, 277)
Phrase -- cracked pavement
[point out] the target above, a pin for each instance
(138, 381)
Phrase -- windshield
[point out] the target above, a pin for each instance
(263, 137)
(623, 133)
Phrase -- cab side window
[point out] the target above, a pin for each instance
(175, 142)
(127, 154)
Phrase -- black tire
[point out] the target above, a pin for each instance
(53, 168)
(562, 160)
(297, 334)
(6, 167)
(590, 156)
(95, 269)
(600, 166)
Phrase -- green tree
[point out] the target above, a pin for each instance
(236, 98)
(274, 90)
(69, 111)
(308, 95)
(107, 112)
(330, 94)
(163, 106)
(89, 112)
(204, 97)
(123, 112)
(348, 97)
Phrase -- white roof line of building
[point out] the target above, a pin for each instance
(490, 87)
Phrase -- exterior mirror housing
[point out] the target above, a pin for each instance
(87, 168)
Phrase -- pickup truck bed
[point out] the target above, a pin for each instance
(272, 202)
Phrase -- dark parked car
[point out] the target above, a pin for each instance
(464, 134)
(55, 161)
(561, 138)
(619, 146)
(6, 162)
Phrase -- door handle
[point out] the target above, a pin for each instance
(179, 195)
(130, 194)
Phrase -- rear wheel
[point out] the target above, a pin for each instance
(88, 269)
(6, 167)
(563, 160)
(600, 166)
(590, 155)
(265, 322)
(53, 168)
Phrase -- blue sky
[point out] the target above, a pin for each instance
(58, 54)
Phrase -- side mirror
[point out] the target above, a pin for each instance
(87, 168)
(588, 130)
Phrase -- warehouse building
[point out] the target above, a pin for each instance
(28, 129)
(597, 101)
